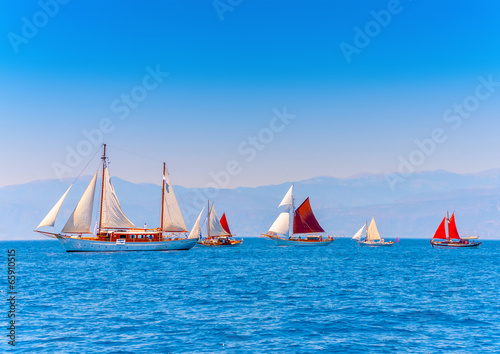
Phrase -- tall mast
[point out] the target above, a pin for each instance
(208, 220)
(102, 186)
(292, 213)
(163, 194)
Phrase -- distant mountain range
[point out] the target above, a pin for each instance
(414, 209)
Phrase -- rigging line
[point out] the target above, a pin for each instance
(88, 163)
(135, 153)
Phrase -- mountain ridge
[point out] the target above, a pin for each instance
(341, 205)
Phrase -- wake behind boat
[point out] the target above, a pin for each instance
(218, 232)
(372, 238)
(306, 229)
(116, 232)
(452, 239)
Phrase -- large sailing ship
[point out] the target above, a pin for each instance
(306, 229)
(115, 231)
(452, 238)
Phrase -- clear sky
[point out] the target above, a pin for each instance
(363, 80)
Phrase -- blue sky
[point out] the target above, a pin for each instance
(227, 77)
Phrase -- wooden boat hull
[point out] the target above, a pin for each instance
(375, 244)
(455, 244)
(299, 243)
(232, 244)
(81, 245)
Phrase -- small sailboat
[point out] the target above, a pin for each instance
(218, 233)
(115, 232)
(373, 237)
(357, 235)
(306, 229)
(452, 239)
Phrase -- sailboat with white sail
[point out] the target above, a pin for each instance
(115, 232)
(306, 229)
(218, 232)
(373, 238)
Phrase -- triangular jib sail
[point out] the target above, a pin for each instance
(288, 199)
(216, 228)
(304, 221)
(172, 215)
(195, 231)
(282, 224)
(441, 230)
(112, 213)
(357, 235)
(50, 219)
(81, 219)
(372, 232)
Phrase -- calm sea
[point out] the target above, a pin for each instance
(257, 298)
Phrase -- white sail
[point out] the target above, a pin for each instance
(112, 213)
(172, 216)
(81, 219)
(282, 224)
(358, 234)
(216, 228)
(288, 199)
(195, 231)
(50, 219)
(372, 232)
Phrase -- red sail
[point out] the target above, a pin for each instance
(223, 222)
(441, 231)
(304, 221)
(452, 228)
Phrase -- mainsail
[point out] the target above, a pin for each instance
(357, 235)
(304, 221)
(112, 213)
(216, 228)
(81, 219)
(452, 229)
(50, 219)
(441, 231)
(172, 215)
(225, 225)
(372, 232)
(195, 231)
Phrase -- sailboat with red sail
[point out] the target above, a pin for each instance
(218, 232)
(452, 238)
(306, 229)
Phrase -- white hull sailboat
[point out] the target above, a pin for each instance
(116, 233)
(218, 232)
(306, 230)
(373, 237)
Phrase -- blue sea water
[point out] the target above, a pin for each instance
(256, 298)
